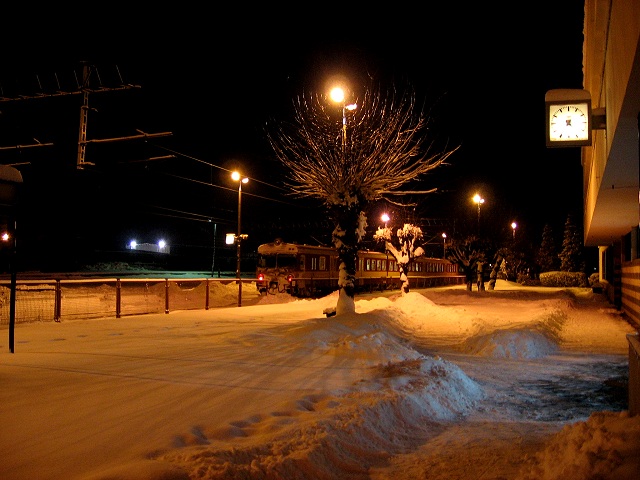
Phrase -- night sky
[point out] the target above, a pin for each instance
(214, 82)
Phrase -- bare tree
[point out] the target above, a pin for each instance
(350, 160)
(467, 253)
(406, 250)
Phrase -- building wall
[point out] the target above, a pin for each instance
(611, 73)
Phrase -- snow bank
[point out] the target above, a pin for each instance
(607, 445)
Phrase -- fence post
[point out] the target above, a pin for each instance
(206, 295)
(118, 298)
(166, 295)
(57, 308)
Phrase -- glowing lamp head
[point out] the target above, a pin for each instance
(236, 176)
(337, 95)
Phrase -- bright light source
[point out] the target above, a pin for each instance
(337, 95)
(230, 239)
(236, 176)
(444, 235)
(385, 218)
(133, 244)
(478, 199)
(162, 244)
(5, 237)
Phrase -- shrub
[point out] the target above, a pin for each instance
(594, 280)
(564, 279)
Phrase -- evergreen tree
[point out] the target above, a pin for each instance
(547, 257)
(571, 257)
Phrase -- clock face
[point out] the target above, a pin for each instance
(569, 122)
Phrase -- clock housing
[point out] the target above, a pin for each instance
(568, 118)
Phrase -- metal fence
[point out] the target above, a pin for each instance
(56, 300)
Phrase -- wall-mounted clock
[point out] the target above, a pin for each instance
(568, 118)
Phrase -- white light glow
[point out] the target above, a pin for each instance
(337, 95)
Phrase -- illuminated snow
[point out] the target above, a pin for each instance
(439, 383)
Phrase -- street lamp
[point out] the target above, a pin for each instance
(337, 95)
(513, 226)
(385, 219)
(478, 200)
(444, 245)
(236, 177)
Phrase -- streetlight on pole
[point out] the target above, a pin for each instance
(337, 95)
(444, 245)
(513, 227)
(385, 219)
(237, 177)
(478, 200)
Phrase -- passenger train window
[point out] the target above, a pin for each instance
(314, 263)
(302, 263)
(323, 263)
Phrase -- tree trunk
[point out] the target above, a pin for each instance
(494, 272)
(346, 238)
(402, 268)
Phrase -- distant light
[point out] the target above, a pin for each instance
(514, 225)
(162, 244)
(385, 218)
(444, 235)
(230, 238)
(133, 244)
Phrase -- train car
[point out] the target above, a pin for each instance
(312, 271)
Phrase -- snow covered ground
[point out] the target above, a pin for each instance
(516, 383)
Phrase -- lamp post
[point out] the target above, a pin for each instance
(479, 201)
(337, 95)
(444, 245)
(385, 219)
(236, 177)
(514, 225)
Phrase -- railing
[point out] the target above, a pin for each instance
(56, 300)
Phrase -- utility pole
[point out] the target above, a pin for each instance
(86, 87)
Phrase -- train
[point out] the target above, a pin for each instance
(312, 271)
